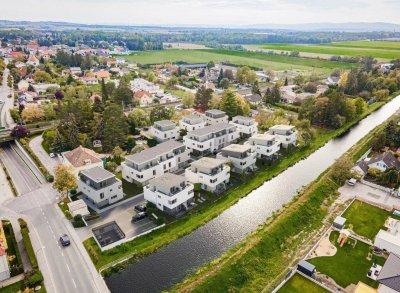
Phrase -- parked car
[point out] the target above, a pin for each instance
(138, 217)
(352, 182)
(64, 240)
(52, 155)
(140, 208)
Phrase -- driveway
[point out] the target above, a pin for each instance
(36, 146)
(370, 194)
(121, 214)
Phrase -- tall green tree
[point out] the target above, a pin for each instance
(203, 97)
(115, 127)
(229, 104)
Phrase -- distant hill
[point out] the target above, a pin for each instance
(310, 27)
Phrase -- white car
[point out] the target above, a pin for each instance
(352, 182)
(52, 155)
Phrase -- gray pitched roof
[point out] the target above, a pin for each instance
(388, 158)
(154, 152)
(254, 98)
(390, 273)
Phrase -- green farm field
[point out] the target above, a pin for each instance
(379, 49)
(254, 59)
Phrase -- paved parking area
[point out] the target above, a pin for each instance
(122, 215)
(370, 194)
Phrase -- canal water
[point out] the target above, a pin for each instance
(172, 263)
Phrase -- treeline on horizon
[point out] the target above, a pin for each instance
(154, 41)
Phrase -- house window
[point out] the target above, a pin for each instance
(114, 196)
(169, 164)
(154, 172)
(102, 195)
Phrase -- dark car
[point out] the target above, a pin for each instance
(64, 240)
(138, 217)
(140, 208)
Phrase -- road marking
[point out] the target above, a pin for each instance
(73, 281)
(68, 268)
(62, 253)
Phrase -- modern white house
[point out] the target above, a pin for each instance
(170, 193)
(192, 122)
(169, 156)
(246, 126)
(242, 157)
(211, 138)
(389, 239)
(286, 134)
(266, 145)
(100, 186)
(164, 130)
(215, 116)
(212, 174)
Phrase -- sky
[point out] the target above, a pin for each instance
(202, 12)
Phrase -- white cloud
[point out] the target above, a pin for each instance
(207, 12)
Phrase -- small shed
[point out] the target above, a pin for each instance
(339, 222)
(78, 207)
(306, 268)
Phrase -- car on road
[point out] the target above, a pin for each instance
(138, 217)
(64, 240)
(9, 96)
(352, 182)
(52, 155)
(140, 208)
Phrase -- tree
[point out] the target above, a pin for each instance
(343, 80)
(65, 180)
(286, 81)
(224, 83)
(151, 77)
(188, 99)
(210, 65)
(229, 74)
(274, 95)
(229, 104)
(111, 166)
(172, 82)
(220, 77)
(41, 76)
(203, 96)
(19, 131)
(360, 105)
(382, 95)
(70, 79)
(115, 127)
(161, 113)
(341, 170)
(245, 75)
(137, 118)
(104, 92)
(310, 88)
(58, 146)
(32, 114)
(214, 102)
(123, 94)
(137, 149)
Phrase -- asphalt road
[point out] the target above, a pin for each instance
(65, 269)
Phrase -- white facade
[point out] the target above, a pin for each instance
(246, 126)
(192, 122)
(265, 145)
(211, 138)
(380, 165)
(286, 134)
(140, 84)
(242, 157)
(164, 130)
(169, 156)
(100, 186)
(214, 117)
(170, 193)
(388, 241)
(212, 174)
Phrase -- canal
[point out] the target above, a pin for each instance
(172, 263)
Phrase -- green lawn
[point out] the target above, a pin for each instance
(368, 44)
(299, 284)
(366, 219)
(259, 60)
(14, 288)
(349, 265)
(14, 260)
(343, 49)
(130, 189)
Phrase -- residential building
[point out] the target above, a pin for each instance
(192, 122)
(215, 116)
(246, 126)
(169, 156)
(286, 134)
(254, 99)
(143, 98)
(82, 158)
(32, 60)
(389, 239)
(140, 84)
(266, 145)
(332, 80)
(211, 138)
(212, 174)
(389, 276)
(164, 130)
(242, 157)
(23, 85)
(384, 161)
(100, 186)
(170, 193)
(41, 88)
(78, 207)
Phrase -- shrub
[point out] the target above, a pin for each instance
(50, 178)
(33, 278)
